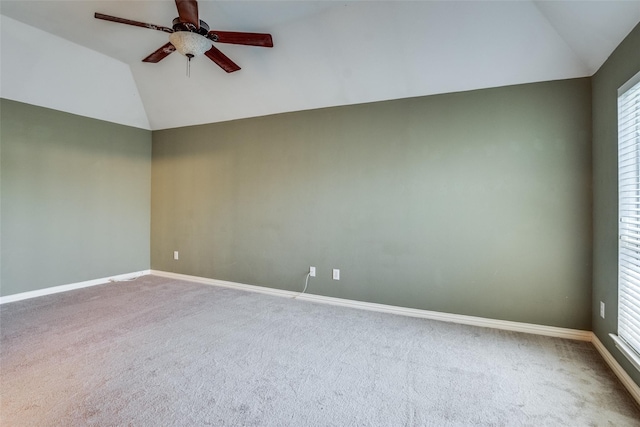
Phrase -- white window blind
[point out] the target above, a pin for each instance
(629, 218)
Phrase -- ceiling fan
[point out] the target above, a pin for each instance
(191, 37)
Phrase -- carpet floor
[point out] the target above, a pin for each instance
(162, 352)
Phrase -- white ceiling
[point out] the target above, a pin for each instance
(326, 53)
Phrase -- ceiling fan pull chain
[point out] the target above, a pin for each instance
(189, 56)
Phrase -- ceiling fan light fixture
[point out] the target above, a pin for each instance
(190, 44)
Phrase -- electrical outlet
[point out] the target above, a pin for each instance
(312, 272)
(175, 254)
(336, 274)
(602, 309)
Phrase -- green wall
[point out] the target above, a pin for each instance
(476, 203)
(75, 198)
(623, 64)
(490, 203)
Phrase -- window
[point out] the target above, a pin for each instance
(628, 339)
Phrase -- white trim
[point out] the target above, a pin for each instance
(629, 84)
(530, 328)
(71, 286)
(225, 284)
(622, 375)
(626, 350)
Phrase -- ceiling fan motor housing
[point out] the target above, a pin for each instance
(178, 25)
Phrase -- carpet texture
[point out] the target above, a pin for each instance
(161, 352)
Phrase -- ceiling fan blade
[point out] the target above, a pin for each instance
(160, 54)
(130, 22)
(188, 12)
(250, 39)
(222, 60)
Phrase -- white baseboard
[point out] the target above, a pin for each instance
(71, 286)
(622, 375)
(530, 328)
(225, 284)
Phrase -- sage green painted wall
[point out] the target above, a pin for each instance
(476, 203)
(75, 198)
(623, 64)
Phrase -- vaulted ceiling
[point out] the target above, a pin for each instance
(326, 53)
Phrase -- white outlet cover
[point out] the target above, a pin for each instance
(175, 254)
(336, 274)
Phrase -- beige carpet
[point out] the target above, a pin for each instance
(160, 352)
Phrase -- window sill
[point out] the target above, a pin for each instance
(628, 352)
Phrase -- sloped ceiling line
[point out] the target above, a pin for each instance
(41, 69)
(578, 58)
(325, 54)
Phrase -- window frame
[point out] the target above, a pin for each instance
(629, 346)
